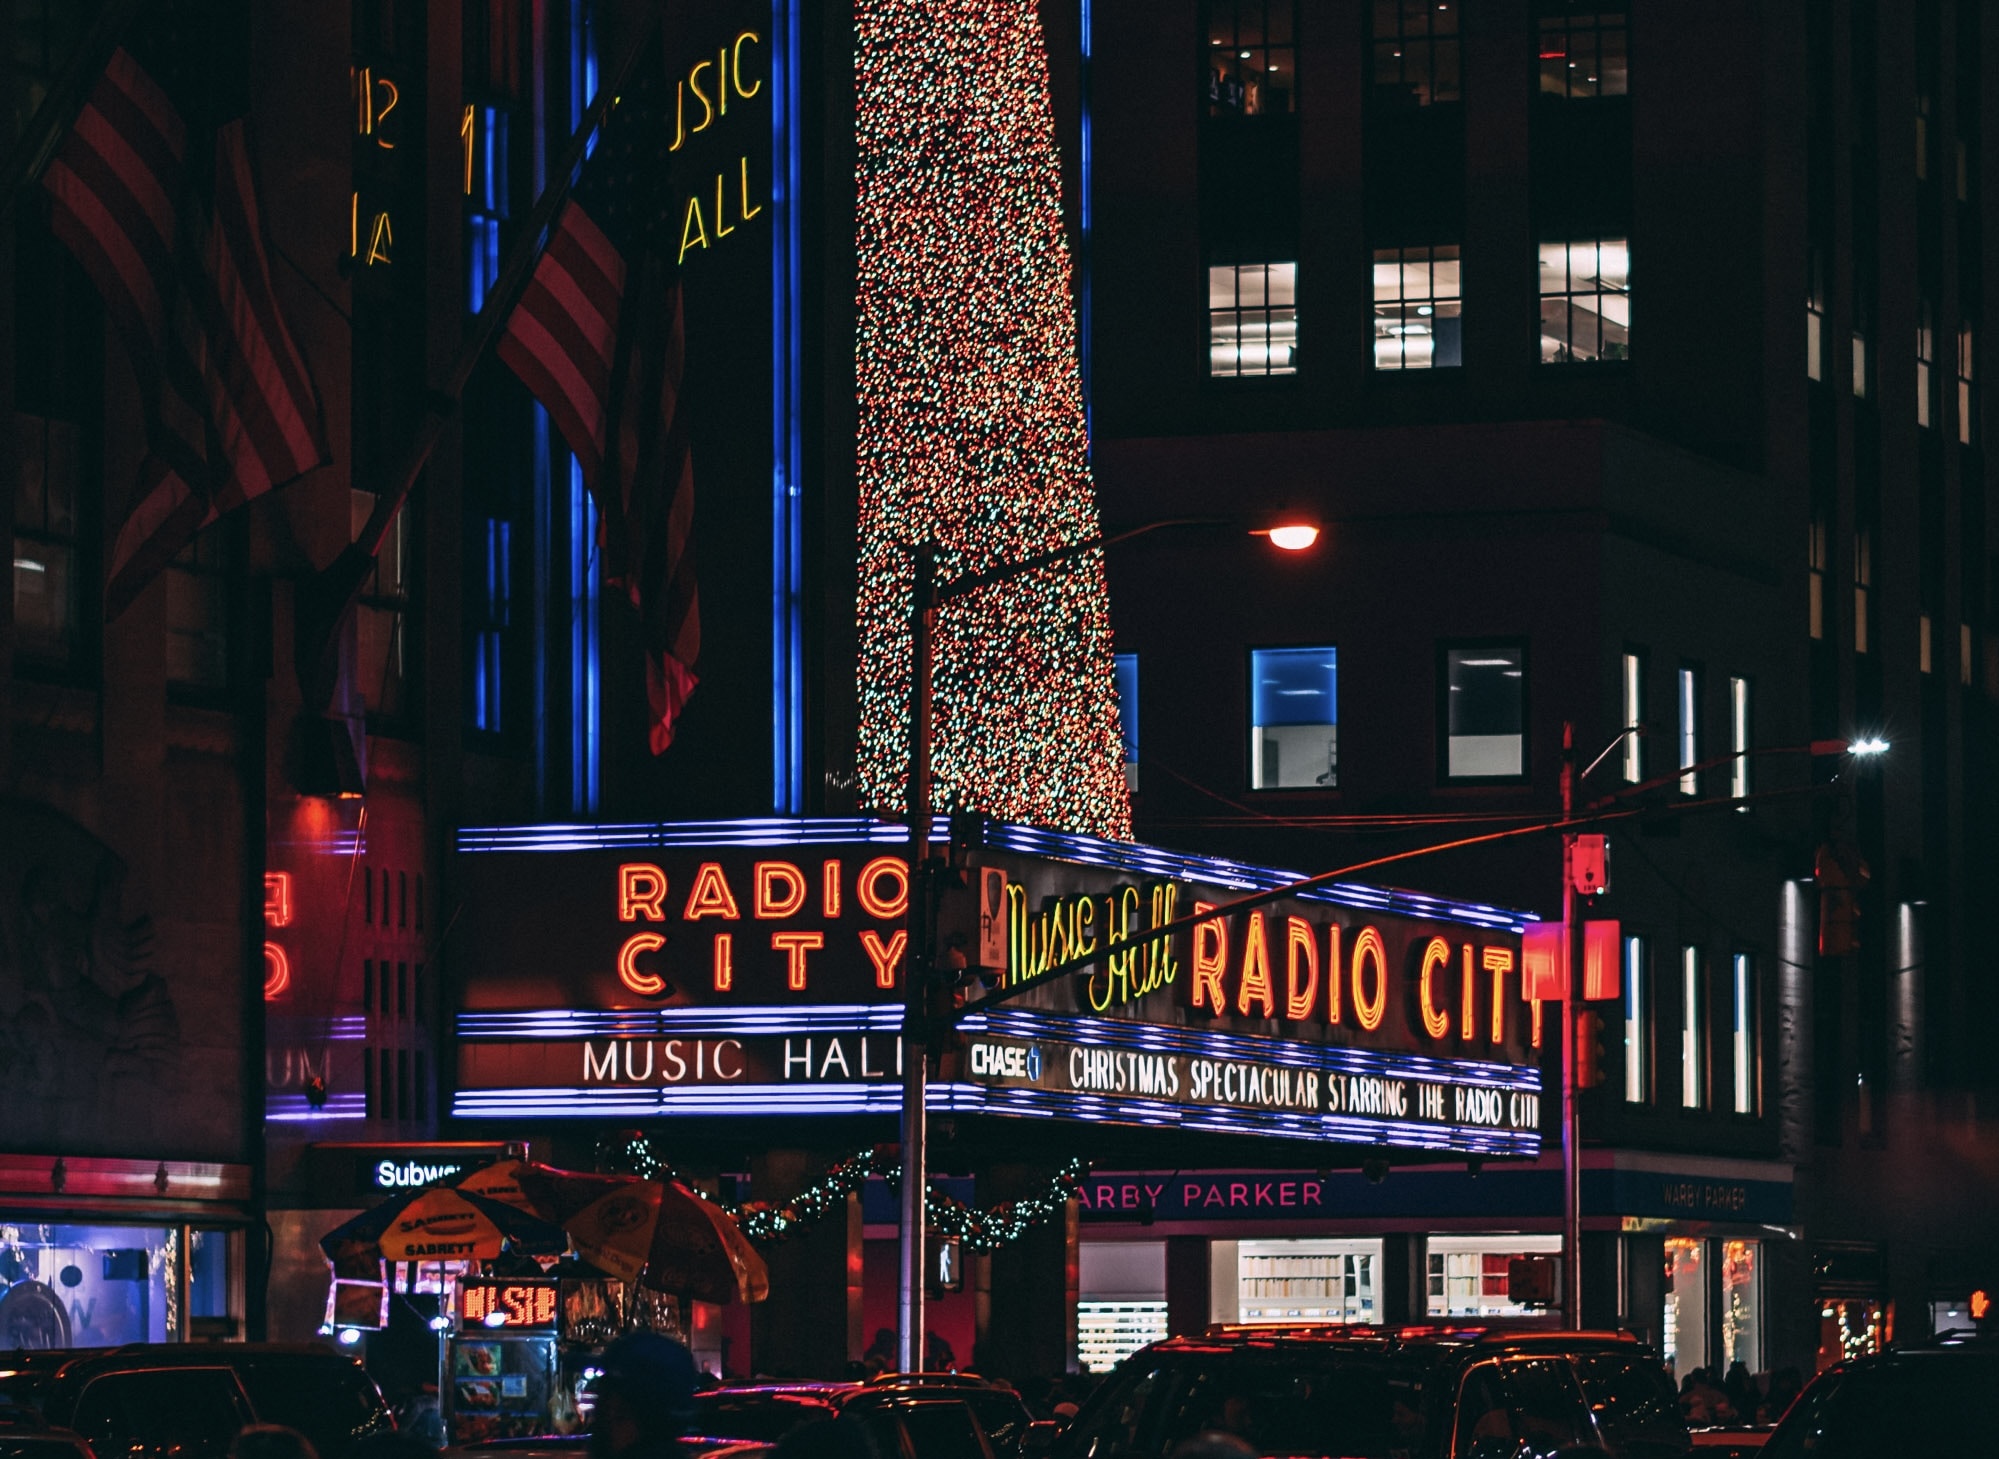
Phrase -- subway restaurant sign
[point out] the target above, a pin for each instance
(756, 968)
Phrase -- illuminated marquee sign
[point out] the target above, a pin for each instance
(497, 1303)
(755, 968)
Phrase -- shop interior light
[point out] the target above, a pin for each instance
(349, 1336)
(1290, 536)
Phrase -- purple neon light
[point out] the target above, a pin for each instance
(774, 831)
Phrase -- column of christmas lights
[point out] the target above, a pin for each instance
(971, 423)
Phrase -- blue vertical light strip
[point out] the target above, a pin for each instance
(787, 430)
(584, 707)
(1086, 104)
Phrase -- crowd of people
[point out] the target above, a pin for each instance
(1738, 1397)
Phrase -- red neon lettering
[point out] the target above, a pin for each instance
(710, 895)
(772, 903)
(867, 887)
(725, 961)
(885, 959)
(1211, 961)
(1256, 970)
(1499, 962)
(794, 946)
(1466, 1013)
(1333, 971)
(1238, 1195)
(1312, 1189)
(629, 971)
(277, 899)
(1436, 1022)
(829, 890)
(1300, 946)
(277, 972)
(1368, 948)
(641, 890)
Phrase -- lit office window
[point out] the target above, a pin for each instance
(1253, 319)
(1690, 729)
(1967, 378)
(1926, 347)
(1585, 301)
(1637, 1035)
(1925, 661)
(1127, 714)
(1294, 735)
(1692, 1085)
(1485, 714)
(1964, 653)
(1418, 309)
(1743, 1027)
(1632, 706)
(1738, 737)
(1584, 49)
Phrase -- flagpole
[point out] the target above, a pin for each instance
(325, 599)
(58, 111)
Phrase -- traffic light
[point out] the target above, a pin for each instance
(1589, 1050)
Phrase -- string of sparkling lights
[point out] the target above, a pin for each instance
(971, 424)
(765, 1221)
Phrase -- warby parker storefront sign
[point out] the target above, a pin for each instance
(749, 967)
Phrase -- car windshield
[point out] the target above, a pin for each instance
(1634, 1401)
(1363, 1404)
(334, 1404)
(765, 1417)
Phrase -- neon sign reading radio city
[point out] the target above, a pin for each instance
(1270, 966)
(779, 891)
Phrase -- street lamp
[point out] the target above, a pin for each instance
(1291, 534)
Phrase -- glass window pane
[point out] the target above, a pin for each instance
(1387, 275)
(44, 598)
(1637, 1039)
(1221, 288)
(1127, 705)
(1554, 268)
(1486, 715)
(1691, 1081)
(113, 1284)
(1251, 281)
(1444, 273)
(1283, 282)
(1294, 717)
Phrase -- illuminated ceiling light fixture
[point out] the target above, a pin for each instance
(1290, 536)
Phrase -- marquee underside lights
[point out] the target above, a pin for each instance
(972, 430)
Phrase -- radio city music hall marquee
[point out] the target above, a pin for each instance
(756, 967)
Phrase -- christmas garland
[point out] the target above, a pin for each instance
(765, 1221)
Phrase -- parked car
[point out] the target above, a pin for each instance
(1927, 1401)
(178, 1401)
(1731, 1441)
(1374, 1393)
(25, 1434)
(768, 1411)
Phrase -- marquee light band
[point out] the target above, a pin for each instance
(1124, 856)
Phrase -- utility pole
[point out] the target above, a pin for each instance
(916, 973)
(1572, 969)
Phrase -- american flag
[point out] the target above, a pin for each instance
(599, 337)
(231, 411)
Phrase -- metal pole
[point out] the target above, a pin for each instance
(1572, 950)
(916, 971)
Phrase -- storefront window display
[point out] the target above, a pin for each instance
(90, 1286)
(1851, 1327)
(1307, 1281)
(1122, 1300)
(1684, 1336)
(1742, 1305)
(1466, 1276)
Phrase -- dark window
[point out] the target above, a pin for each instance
(1127, 713)
(1252, 61)
(1584, 46)
(1418, 309)
(1485, 712)
(1484, 1426)
(1415, 52)
(47, 546)
(185, 1413)
(1926, 358)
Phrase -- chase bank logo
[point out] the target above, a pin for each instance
(1006, 1061)
(1034, 1062)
